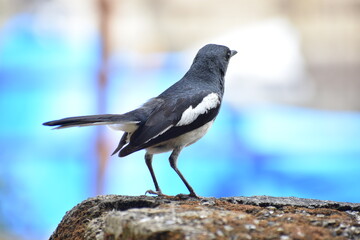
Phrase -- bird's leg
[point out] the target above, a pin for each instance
(173, 163)
(148, 160)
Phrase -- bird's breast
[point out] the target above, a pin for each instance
(183, 140)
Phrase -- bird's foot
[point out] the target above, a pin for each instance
(187, 196)
(158, 193)
(178, 196)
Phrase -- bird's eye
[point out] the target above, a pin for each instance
(228, 54)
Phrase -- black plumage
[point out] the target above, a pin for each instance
(173, 120)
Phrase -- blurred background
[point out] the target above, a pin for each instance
(289, 124)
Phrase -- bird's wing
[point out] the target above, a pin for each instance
(175, 116)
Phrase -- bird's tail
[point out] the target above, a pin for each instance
(118, 121)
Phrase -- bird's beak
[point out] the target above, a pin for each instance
(233, 52)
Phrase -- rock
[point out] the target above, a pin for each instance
(260, 217)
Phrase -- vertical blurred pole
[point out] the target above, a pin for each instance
(104, 8)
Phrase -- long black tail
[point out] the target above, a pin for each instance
(103, 119)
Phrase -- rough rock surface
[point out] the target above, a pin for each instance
(124, 217)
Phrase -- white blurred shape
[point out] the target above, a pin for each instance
(74, 21)
(269, 66)
(268, 51)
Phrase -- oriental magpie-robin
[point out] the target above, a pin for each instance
(177, 118)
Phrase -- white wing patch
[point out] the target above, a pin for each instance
(191, 114)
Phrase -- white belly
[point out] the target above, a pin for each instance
(181, 141)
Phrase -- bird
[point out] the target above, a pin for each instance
(173, 120)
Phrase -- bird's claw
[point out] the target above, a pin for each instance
(186, 196)
(178, 196)
(158, 193)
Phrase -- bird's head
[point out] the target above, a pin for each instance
(214, 58)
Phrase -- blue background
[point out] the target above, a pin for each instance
(277, 150)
